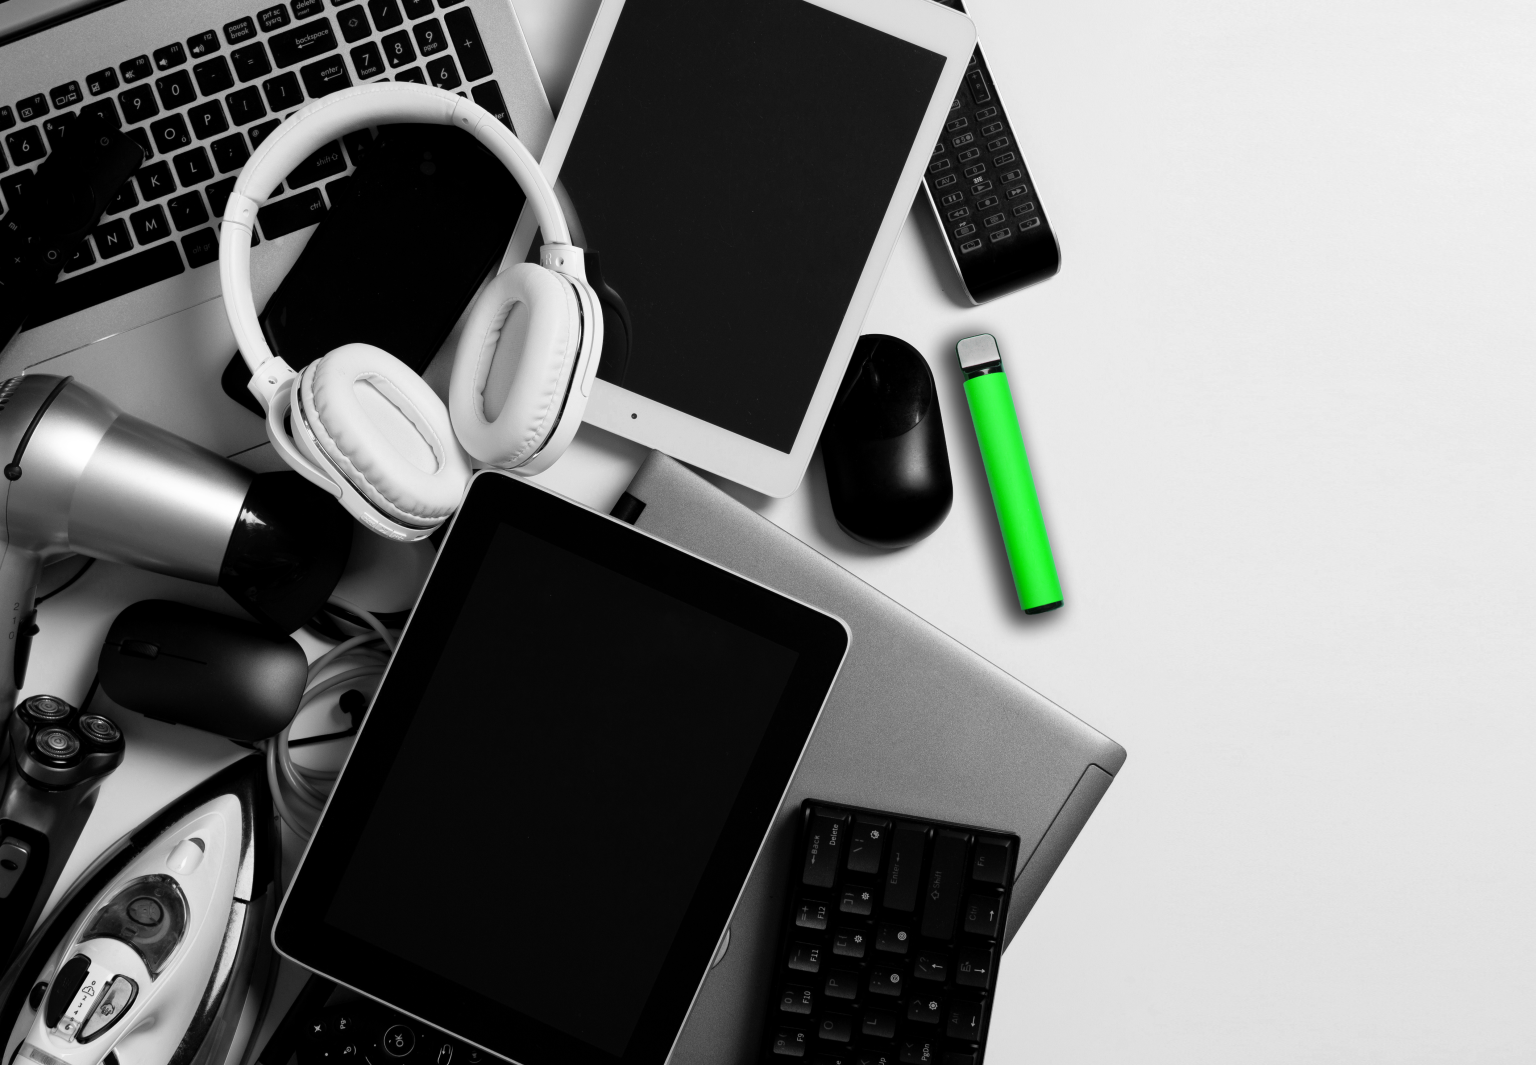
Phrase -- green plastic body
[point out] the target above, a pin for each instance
(1013, 491)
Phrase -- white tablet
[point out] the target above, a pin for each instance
(742, 170)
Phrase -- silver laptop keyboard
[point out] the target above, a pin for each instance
(198, 107)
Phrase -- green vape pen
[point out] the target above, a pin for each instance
(1013, 489)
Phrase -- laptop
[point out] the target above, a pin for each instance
(136, 314)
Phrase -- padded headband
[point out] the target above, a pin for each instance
(325, 120)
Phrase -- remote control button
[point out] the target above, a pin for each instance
(398, 1041)
(835, 1028)
(978, 186)
(796, 999)
(994, 219)
(979, 168)
(956, 124)
(964, 1021)
(1028, 223)
(973, 968)
(970, 245)
(850, 943)
(789, 1044)
(1001, 234)
(956, 215)
(953, 197)
(879, 1025)
(931, 967)
(805, 958)
(963, 139)
(841, 985)
(946, 181)
(986, 113)
(812, 915)
(859, 901)
(978, 86)
(924, 1010)
(938, 165)
(1001, 142)
(965, 230)
(824, 847)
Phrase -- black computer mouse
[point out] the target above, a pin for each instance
(887, 466)
(193, 667)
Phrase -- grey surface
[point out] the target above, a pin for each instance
(916, 724)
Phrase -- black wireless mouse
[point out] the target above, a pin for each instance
(887, 466)
(188, 666)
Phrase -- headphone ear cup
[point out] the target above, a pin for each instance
(536, 372)
(387, 432)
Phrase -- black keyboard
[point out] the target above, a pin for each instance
(983, 194)
(890, 946)
(199, 107)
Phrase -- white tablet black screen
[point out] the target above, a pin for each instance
(731, 168)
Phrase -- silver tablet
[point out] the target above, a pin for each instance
(742, 171)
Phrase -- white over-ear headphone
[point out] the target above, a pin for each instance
(365, 427)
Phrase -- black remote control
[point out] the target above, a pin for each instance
(62, 204)
(890, 946)
(986, 202)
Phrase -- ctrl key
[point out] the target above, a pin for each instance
(789, 1044)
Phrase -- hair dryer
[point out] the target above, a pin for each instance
(82, 477)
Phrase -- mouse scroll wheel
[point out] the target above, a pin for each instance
(139, 649)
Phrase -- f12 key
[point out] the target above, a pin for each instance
(891, 938)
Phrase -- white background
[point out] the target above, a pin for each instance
(1279, 407)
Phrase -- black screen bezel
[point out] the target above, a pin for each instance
(301, 931)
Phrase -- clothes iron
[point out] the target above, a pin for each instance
(158, 955)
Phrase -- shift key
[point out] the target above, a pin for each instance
(904, 877)
(945, 879)
(823, 848)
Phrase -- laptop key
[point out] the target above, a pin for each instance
(239, 30)
(272, 18)
(467, 42)
(283, 92)
(155, 181)
(187, 210)
(367, 61)
(413, 75)
(66, 95)
(104, 80)
(172, 55)
(193, 168)
(218, 195)
(138, 103)
(291, 214)
(141, 138)
(325, 77)
(398, 50)
(259, 133)
(112, 238)
(305, 8)
(417, 8)
(251, 62)
(105, 111)
(125, 200)
(170, 133)
(82, 258)
(488, 95)
(136, 69)
(353, 22)
(208, 119)
(213, 76)
(175, 90)
(149, 225)
(202, 248)
(25, 145)
(229, 153)
(57, 127)
(245, 105)
(205, 43)
(386, 14)
(7, 118)
(32, 107)
(302, 42)
(443, 73)
(429, 40)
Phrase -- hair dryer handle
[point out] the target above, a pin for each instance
(19, 571)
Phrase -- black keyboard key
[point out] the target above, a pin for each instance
(835, 1028)
(213, 76)
(386, 13)
(302, 43)
(245, 105)
(104, 80)
(325, 162)
(136, 69)
(824, 847)
(417, 8)
(467, 43)
(805, 957)
(398, 50)
(283, 92)
(66, 95)
(429, 37)
(413, 75)
(812, 915)
(878, 1024)
(125, 200)
(272, 18)
(291, 214)
(170, 133)
(172, 55)
(149, 225)
(857, 900)
(367, 61)
(866, 844)
(25, 145)
(229, 153)
(175, 90)
(903, 877)
(326, 76)
(795, 999)
(112, 238)
(931, 967)
(187, 210)
(15, 186)
(924, 1010)
(104, 111)
(57, 128)
(242, 29)
(973, 968)
(893, 939)
(251, 62)
(205, 43)
(886, 982)
(339, 191)
(990, 863)
(789, 1044)
(193, 168)
(442, 73)
(353, 22)
(303, 9)
(138, 103)
(82, 258)
(841, 985)
(962, 1057)
(259, 133)
(7, 118)
(155, 181)
(218, 196)
(982, 914)
(964, 1021)
(108, 281)
(919, 1052)
(142, 139)
(33, 107)
(946, 880)
(488, 95)
(359, 143)
(850, 943)
(208, 119)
